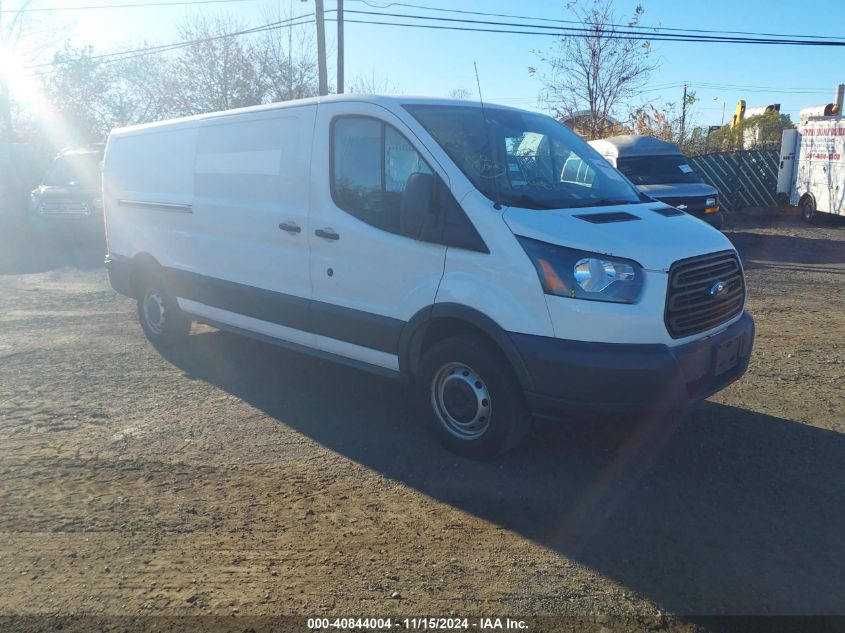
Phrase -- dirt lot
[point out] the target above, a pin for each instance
(237, 479)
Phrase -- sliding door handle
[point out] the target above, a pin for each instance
(290, 227)
(327, 234)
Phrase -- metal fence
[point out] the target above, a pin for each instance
(744, 179)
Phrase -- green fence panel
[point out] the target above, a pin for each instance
(744, 179)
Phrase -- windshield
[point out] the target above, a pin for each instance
(657, 170)
(523, 159)
(75, 170)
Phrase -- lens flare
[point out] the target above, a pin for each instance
(23, 87)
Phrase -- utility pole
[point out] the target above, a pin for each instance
(339, 46)
(683, 117)
(723, 109)
(321, 46)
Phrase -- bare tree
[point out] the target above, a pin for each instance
(219, 71)
(81, 91)
(374, 85)
(144, 88)
(25, 38)
(664, 123)
(288, 61)
(593, 72)
(460, 93)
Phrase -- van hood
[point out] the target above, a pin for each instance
(678, 190)
(654, 240)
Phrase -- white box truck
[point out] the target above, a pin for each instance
(811, 172)
(433, 241)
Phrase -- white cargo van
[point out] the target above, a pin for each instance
(433, 241)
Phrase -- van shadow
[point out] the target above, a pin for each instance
(728, 511)
(785, 218)
(755, 248)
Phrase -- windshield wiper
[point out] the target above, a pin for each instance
(601, 202)
(523, 200)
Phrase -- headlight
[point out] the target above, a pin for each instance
(567, 272)
(711, 205)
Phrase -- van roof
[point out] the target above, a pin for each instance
(634, 145)
(384, 100)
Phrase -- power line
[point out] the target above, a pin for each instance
(120, 6)
(477, 26)
(558, 21)
(119, 56)
(778, 90)
(557, 32)
(626, 32)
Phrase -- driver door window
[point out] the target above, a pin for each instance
(371, 164)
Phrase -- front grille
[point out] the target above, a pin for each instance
(694, 205)
(690, 306)
(63, 208)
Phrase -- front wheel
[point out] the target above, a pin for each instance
(471, 400)
(161, 319)
(808, 210)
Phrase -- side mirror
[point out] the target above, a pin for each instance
(416, 213)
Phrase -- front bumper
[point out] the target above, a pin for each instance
(566, 375)
(120, 273)
(716, 220)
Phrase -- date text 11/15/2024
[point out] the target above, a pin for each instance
(417, 624)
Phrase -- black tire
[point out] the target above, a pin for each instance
(808, 210)
(163, 322)
(470, 398)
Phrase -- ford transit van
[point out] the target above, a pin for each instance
(661, 170)
(435, 241)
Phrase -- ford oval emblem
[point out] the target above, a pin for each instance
(718, 289)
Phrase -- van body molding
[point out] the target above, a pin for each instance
(157, 206)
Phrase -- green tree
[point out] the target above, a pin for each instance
(763, 131)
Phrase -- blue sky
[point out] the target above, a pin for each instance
(433, 63)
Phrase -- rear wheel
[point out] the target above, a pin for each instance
(808, 210)
(473, 403)
(161, 319)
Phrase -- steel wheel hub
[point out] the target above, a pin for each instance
(154, 312)
(461, 401)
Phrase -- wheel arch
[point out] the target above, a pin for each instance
(804, 199)
(441, 320)
(142, 263)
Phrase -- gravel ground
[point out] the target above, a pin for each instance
(233, 478)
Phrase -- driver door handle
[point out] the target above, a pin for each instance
(328, 234)
(290, 227)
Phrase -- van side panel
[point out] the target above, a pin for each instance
(251, 174)
(148, 185)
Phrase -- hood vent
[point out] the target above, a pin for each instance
(605, 218)
(669, 212)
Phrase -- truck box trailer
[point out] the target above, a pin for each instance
(812, 161)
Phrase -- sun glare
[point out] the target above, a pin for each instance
(21, 83)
